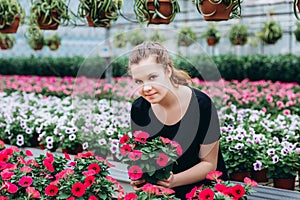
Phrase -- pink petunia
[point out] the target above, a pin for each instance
(125, 149)
(29, 153)
(213, 175)
(25, 181)
(135, 172)
(131, 196)
(162, 160)
(11, 188)
(207, 193)
(150, 189)
(250, 182)
(135, 155)
(33, 193)
(140, 136)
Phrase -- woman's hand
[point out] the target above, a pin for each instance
(137, 184)
(167, 183)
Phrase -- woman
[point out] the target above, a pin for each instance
(168, 107)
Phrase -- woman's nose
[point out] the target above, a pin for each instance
(147, 87)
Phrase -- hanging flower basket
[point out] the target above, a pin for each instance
(13, 27)
(211, 41)
(218, 10)
(48, 23)
(156, 11)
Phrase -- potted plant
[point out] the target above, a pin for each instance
(136, 37)
(11, 14)
(217, 10)
(271, 32)
(156, 11)
(157, 37)
(297, 31)
(296, 4)
(53, 42)
(212, 35)
(186, 37)
(238, 34)
(35, 37)
(49, 14)
(120, 39)
(72, 140)
(99, 13)
(7, 41)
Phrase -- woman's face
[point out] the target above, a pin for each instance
(151, 79)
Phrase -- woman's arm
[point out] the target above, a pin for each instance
(209, 159)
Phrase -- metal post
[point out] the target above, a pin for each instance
(108, 59)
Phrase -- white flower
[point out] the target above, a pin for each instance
(85, 145)
(275, 159)
(20, 142)
(113, 149)
(257, 165)
(68, 130)
(102, 141)
(20, 137)
(229, 138)
(72, 137)
(271, 152)
(49, 139)
(239, 146)
(49, 145)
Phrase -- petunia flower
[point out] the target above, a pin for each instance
(135, 172)
(78, 189)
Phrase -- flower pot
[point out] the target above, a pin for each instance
(285, 183)
(38, 47)
(47, 25)
(215, 11)
(260, 176)
(211, 41)
(13, 27)
(165, 8)
(4, 45)
(238, 41)
(239, 176)
(102, 16)
(73, 151)
(6, 141)
(34, 140)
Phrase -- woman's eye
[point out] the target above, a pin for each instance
(152, 77)
(138, 82)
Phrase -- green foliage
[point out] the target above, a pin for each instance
(53, 41)
(8, 40)
(211, 31)
(186, 37)
(271, 32)
(9, 9)
(157, 37)
(35, 37)
(285, 68)
(120, 39)
(136, 37)
(238, 34)
(102, 13)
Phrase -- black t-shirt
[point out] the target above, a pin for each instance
(199, 125)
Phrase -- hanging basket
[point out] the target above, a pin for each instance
(105, 21)
(48, 24)
(13, 27)
(4, 45)
(211, 41)
(215, 11)
(165, 8)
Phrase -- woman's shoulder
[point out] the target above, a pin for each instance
(202, 97)
(140, 104)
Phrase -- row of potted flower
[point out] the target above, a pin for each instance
(260, 95)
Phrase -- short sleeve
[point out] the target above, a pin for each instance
(213, 131)
(138, 115)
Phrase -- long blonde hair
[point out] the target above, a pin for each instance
(146, 49)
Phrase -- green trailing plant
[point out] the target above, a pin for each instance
(53, 42)
(297, 31)
(100, 12)
(238, 34)
(157, 37)
(7, 41)
(235, 12)
(186, 36)
(9, 10)
(271, 32)
(212, 33)
(136, 37)
(35, 37)
(120, 39)
(296, 4)
(144, 14)
(50, 11)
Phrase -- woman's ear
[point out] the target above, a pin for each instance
(169, 71)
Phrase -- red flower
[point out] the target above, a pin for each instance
(70, 198)
(213, 175)
(124, 139)
(131, 196)
(6, 175)
(3, 157)
(11, 188)
(28, 153)
(67, 156)
(33, 193)
(89, 181)
(162, 160)
(135, 172)
(48, 163)
(207, 193)
(3, 198)
(92, 198)
(220, 187)
(140, 136)
(125, 149)
(191, 194)
(165, 140)
(26, 169)
(150, 189)
(178, 150)
(25, 181)
(135, 155)
(167, 191)
(51, 190)
(237, 191)
(78, 189)
(94, 166)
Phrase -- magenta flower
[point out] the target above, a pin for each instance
(25, 181)
(162, 160)
(135, 172)
(135, 155)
